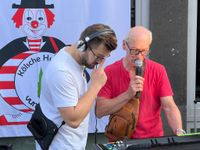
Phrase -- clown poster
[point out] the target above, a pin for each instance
(32, 32)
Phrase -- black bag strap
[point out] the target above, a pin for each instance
(87, 75)
(63, 122)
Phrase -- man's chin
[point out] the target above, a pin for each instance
(90, 66)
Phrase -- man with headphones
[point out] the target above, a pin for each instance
(65, 95)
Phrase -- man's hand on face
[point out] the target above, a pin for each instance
(98, 76)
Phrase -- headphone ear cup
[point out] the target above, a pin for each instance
(81, 45)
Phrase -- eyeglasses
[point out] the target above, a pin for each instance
(98, 58)
(135, 51)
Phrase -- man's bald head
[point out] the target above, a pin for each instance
(139, 34)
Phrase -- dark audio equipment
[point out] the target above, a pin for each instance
(187, 142)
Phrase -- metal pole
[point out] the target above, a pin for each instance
(195, 120)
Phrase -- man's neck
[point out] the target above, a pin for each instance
(72, 50)
(128, 65)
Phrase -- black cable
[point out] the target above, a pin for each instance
(96, 129)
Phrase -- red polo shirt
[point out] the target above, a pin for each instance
(156, 85)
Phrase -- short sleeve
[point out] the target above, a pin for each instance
(164, 84)
(63, 89)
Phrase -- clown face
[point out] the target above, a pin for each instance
(34, 23)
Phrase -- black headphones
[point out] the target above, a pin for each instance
(82, 44)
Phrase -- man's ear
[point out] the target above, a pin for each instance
(124, 45)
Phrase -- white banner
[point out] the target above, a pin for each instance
(51, 24)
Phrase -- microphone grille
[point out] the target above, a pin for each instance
(139, 63)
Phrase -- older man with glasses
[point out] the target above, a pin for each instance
(156, 93)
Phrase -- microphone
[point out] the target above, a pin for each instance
(139, 71)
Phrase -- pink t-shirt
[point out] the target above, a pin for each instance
(156, 85)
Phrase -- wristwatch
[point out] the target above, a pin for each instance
(180, 132)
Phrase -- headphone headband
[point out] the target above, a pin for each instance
(96, 34)
(82, 44)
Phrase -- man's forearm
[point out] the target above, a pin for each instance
(174, 119)
(109, 106)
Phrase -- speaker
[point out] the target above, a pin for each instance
(82, 44)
